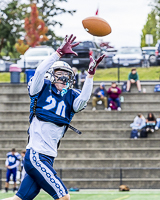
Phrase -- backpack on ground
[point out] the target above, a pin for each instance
(143, 133)
(157, 88)
(124, 87)
(113, 105)
(134, 134)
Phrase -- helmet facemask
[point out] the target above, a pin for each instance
(60, 72)
(62, 76)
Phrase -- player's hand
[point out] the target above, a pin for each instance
(66, 46)
(93, 64)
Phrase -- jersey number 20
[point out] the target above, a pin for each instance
(52, 104)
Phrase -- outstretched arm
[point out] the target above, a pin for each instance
(84, 97)
(38, 79)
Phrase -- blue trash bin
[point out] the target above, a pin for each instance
(29, 74)
(15, 71)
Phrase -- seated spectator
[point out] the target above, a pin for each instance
(75, 83)
(114, 93)
(82, 77)
(133, 78)
(150, 123)
(100, 94)
(139, 122)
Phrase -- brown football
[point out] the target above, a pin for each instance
(96, 26)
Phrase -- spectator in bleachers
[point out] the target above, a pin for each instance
(12, 163)
(114, 93)
(75, 83)
(100, 94)
(82, 77)
(139, 122)
(150, 123)
(133, 78)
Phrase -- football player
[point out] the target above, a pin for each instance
(53, 104)
(12, 162)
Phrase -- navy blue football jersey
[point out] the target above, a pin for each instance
(48, 105)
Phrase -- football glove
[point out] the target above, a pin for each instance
(93, 64)
(66, 46)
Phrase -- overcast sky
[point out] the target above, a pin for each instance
(126, 18)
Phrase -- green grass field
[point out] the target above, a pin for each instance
(102, 195)
(152, 73)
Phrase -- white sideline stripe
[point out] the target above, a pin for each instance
(48, 171)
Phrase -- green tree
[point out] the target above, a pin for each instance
(156, 6)
(48, 9)
(11, 15)
(150, 28)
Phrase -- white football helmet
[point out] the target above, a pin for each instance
(62, 66)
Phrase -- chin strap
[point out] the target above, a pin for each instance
(64, 90)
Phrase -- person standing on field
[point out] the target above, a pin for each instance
(12, 163)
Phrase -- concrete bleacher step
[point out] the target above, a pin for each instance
(101, 162)
(108, 183)
(14, 114)
(13, 133)
(89, 123)
(100, 152)
(112, 183)
(149, 86)
(100, 123)
(106, 133)
(86, 133)
(127, 96)
(90, 142)
(85, 114)
(114, 114)
(131, 105)
(106, 162)
(109, 142)
(141, 96)
(15, 105)
(13, 142)
(79, 123)
(13, 88)
(108, 152)
(14, 123)
(14, 97)
(21, 88)
(104, 173)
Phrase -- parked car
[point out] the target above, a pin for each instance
(84, 50)
(149, 54)
(109, 53)
(157, 52)
(128, 56)
(34, 56)
(4, 65)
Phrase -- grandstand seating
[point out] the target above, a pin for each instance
(93, 159)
